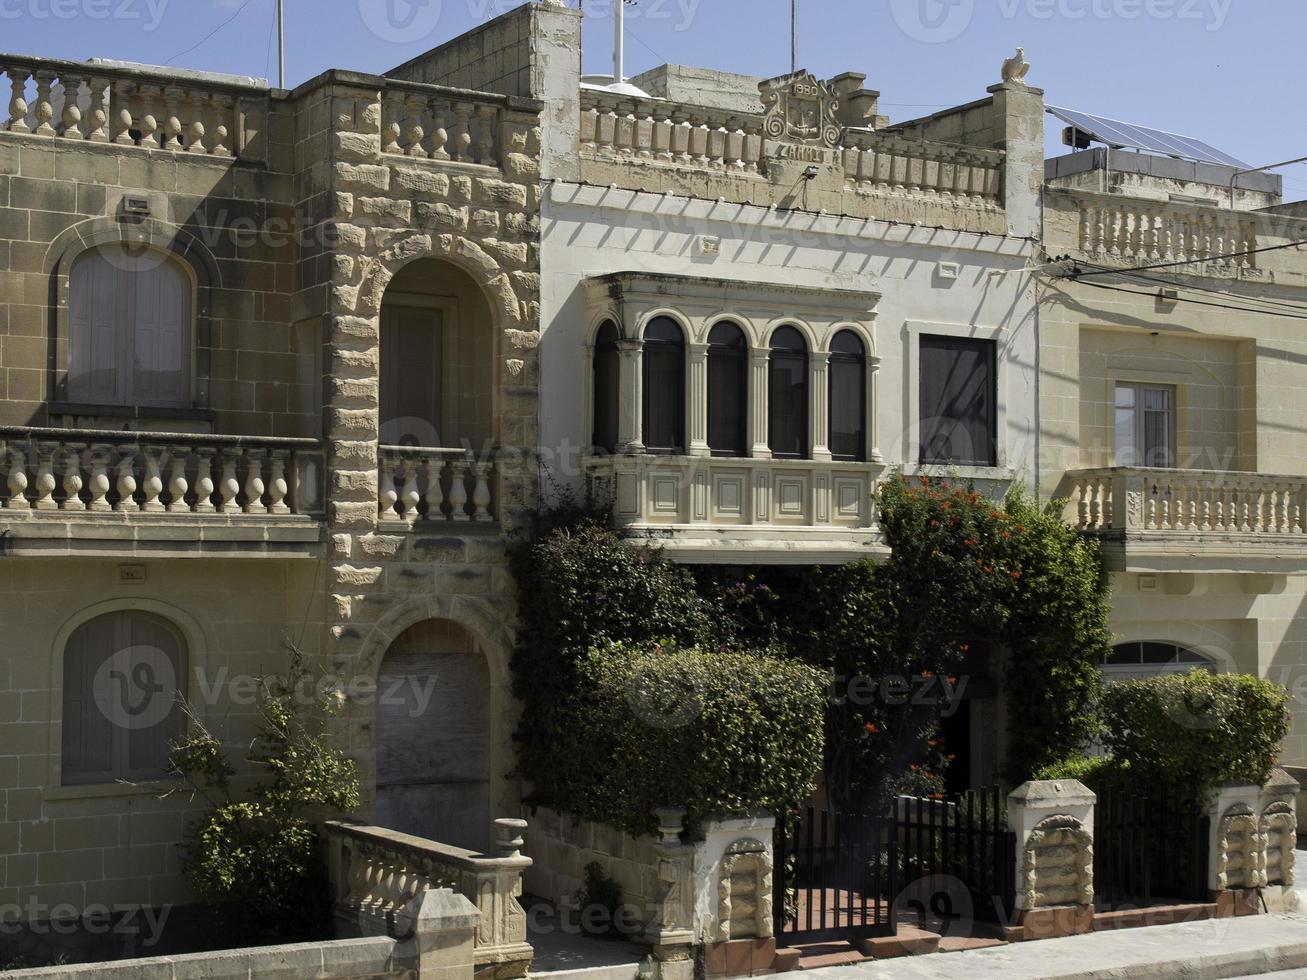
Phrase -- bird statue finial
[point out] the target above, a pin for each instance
(1015, 69)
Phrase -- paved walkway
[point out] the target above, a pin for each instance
(1250, 946)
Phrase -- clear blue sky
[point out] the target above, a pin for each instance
(1232, 72)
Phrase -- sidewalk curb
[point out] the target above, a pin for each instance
(1217, 966)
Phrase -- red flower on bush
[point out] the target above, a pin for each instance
(871, 728)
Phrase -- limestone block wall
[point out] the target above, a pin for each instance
(232, 222)
(69, 847)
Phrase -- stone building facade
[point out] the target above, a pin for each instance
(1170, 413)
(216, 298)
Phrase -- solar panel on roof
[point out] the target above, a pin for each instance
(1116, 133)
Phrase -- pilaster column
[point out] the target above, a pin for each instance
(1054, 826)
(819, 405)
(696, 400)
(630, 434)
(759, 402)
(873, 394)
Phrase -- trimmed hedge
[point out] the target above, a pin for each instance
(1198, 729)
(714, 731)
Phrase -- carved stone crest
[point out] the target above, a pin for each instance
(800, 109)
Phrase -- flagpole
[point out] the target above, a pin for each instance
(794, 36)
(281, 46)
(619, 42)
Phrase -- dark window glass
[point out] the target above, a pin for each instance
(958, 396)
(664, 387)
(788, 389)
(728, 364)
(607, 371)
(848, 397)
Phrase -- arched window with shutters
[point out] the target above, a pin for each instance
(848, 397)
(607, 388)
(788, 393)
(664, 386)
(728, 367)
(123, 673)
(130, 323)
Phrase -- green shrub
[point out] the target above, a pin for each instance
(1099, 773)
(715, 732)
(256, 858)
(1197, 729)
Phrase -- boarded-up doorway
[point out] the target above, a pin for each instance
(433, 736)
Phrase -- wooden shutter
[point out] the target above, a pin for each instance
(160, 326)
(87, 732)
(411, 366)
(96, 345)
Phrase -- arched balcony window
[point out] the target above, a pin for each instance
(788, 390)
(848, 397)
(607, 387)
(728, 366)
(664, 387)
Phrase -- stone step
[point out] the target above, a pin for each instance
(620, 971)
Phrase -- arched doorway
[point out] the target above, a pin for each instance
(433, 736)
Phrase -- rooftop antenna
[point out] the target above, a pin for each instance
(281, 46)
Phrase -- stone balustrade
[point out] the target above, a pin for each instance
(153, 110)
(916, 166)
(88, 472)
(432, 122)
(419, 484)
(1128, 230)
(376, 872)
(1194, 501)
(658, 132)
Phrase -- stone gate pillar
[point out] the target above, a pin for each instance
(1054, 825)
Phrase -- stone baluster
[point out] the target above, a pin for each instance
(278, 488)
(605, 129)
(481, 492)
(229, 487)
(435, 492)
(486, 117)
(699, 141)
(624, 131)
(152, 484)
(682, 136)
(222, 115)
(178, 485)
(386, 494)
(717, 147)
(16, 480)
(98, 487)
(18, 101)
(73, 478)
(172, 124)
(45, 481)
(196, 131)
(44, 112)
(589, 129)
(71, 120)
(1097, 492)
(127, 482)
(254, 485)
(661, 135)
(122, 96)
(458, 490)
(1082, 503)
(462, 133)
(98, 117)
(204, 486)
(409, 497)
(439, 132)
(414, 131)
(1295, 509)
(392, 108)
(147, 121)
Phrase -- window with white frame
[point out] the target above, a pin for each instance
(664, 386)
(728, 380)
(123, 678)
(129, 329)
(788, 394)
(1145, 425)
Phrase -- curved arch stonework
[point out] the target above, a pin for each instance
(1279, 830)
(1057, 865)
(1240, 849)
(744, 892)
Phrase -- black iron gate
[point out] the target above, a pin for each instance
(835, 876)
(842, 876)
(1149, 848)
